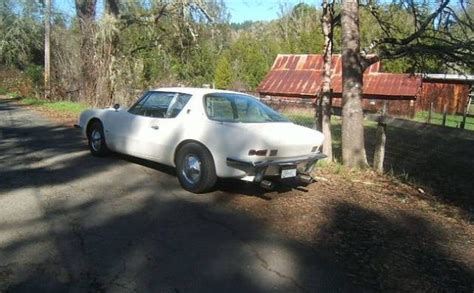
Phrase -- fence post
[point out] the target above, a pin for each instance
(429, 112)
(445, 109)
(380, 139)
(384, 109)
(466, 109)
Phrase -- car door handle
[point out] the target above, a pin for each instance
(155, 127)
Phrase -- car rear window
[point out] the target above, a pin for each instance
(230, 107)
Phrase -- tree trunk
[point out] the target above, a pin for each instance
(380, 139)
(326, 93)
(112, 9)
(47, 51)
(85, 11)
(353, 147)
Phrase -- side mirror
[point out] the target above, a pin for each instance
(116, 107)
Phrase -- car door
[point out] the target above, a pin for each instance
(162, 132)
(148, 129)
(118, 130)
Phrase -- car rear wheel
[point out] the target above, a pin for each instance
(195, 168)
(96, 139)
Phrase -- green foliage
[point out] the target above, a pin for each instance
(248, 24)
(300, 30)
(249, 61)
(35, 74)
(223, 77)
(136, 50)
(21, 33)
(401, 65)
(397, 30)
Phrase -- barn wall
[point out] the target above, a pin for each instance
(454, 95)
(399, 108)
(301, 106)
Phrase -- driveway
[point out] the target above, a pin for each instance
(72, 222)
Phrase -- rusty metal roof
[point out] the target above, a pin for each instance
(385, 85)
(302, 76)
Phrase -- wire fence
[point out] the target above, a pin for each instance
(304, 112)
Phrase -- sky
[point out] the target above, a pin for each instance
(240, 10)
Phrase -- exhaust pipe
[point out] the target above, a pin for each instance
(306, 179)
(268, 185)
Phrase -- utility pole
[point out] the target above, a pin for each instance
(47, 51)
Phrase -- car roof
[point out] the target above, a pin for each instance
(195, 91)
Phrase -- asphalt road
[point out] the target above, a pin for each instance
(70, 222)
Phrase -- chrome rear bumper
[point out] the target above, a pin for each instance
(259, 169)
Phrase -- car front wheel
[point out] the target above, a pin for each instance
(195, 168)
(96, 139)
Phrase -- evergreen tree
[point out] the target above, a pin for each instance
(223, 77)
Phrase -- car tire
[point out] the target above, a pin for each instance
(96, 140)
(195, 168)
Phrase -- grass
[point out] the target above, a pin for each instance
(61, 106)
(451, 120)
(436, 118)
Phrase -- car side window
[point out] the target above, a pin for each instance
(220, 108)
(137, 108)
(177, 104)
(160, 105)
(248, 110)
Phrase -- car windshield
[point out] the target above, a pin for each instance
(230, 107)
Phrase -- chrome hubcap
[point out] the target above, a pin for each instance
(192, 169)
(96, 140)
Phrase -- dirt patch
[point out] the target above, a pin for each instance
(386, 235)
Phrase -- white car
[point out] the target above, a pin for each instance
(206, 134)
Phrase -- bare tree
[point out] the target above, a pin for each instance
(327, 24)
(85, 11)
(353, 147)
(47, 51)
(444, 34)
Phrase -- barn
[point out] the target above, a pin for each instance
(446, 93)
(297, 79)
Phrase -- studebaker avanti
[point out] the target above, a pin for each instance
(206, 134)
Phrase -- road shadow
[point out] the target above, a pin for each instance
(160, 245)
(408, 248)
(45, 155)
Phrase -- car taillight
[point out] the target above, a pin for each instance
(258, 152)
